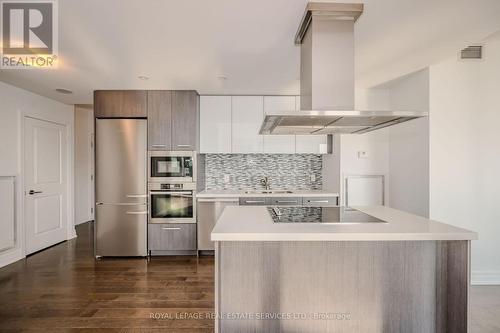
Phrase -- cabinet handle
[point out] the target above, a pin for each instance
(137, 213)
(170, 228)
(183, 145)
(318, 201)
(286, 201)
(217, 200)
(137, 195)
(158, 146)
(254, 201)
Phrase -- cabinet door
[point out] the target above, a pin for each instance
(120, 104)
(159, 120)
(284, 144)
(311, 144)
(253, 201)
(284, 201)
(185, 119)
(247, 115)
(215, 124)
(172, 237)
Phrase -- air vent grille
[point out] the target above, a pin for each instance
(472, 52)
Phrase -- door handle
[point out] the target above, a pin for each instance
(31, 192)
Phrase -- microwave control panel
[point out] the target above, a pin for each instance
(171, 186)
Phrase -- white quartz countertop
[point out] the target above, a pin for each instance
(241, 193)
(253, 223)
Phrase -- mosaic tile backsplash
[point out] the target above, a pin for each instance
(285, 171)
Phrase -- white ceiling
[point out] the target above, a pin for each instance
(188, 44)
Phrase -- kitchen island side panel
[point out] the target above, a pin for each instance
(376, 286)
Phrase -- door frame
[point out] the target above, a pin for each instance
(70, 214)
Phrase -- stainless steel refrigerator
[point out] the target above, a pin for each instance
(121, 192)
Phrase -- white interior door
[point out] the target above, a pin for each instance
(45, 183)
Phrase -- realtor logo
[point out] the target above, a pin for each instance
(29, 34)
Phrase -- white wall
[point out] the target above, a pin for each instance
(409, 145)
(409, 166)
(84, 131)
(376, 145)
(401, 151)
(15, 104)
(465, 153)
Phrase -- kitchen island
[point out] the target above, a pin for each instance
(404, 273)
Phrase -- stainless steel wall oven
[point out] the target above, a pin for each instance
(172, 203)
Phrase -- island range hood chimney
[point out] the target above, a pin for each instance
(326, 39)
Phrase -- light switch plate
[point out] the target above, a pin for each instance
(226, 178)
(362, 154)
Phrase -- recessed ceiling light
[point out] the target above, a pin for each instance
(222, 77)
(143, 77)
(64, 91)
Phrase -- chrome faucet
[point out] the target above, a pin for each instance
(265, 182)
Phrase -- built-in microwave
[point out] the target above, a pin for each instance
(172, 203)
(171, 166)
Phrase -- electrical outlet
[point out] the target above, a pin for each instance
(226, 178)
(362, 154)
(313, 177)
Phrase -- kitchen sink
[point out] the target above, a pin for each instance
(268, 192)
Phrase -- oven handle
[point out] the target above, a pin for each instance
(163, 192)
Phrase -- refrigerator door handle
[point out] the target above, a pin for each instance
(137, 213)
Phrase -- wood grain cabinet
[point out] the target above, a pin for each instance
(120, 104)
(160, 120)
(172, 237)
(173, 120)
(185, 119)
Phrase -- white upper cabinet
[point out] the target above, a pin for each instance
(284, 144)
(309, 144)
(231, 124)
(247, 116)
(215, 124)
(279, 103)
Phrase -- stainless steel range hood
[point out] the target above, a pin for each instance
(332, 122)
(326, 38)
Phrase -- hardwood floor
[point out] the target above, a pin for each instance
(63, 289)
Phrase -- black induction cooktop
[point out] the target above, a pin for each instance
(337, 215)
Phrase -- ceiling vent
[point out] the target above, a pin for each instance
(472, 52)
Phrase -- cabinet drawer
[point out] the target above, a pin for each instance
(284, 201)
(320, 201)
(172, 237)
(257, 201)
